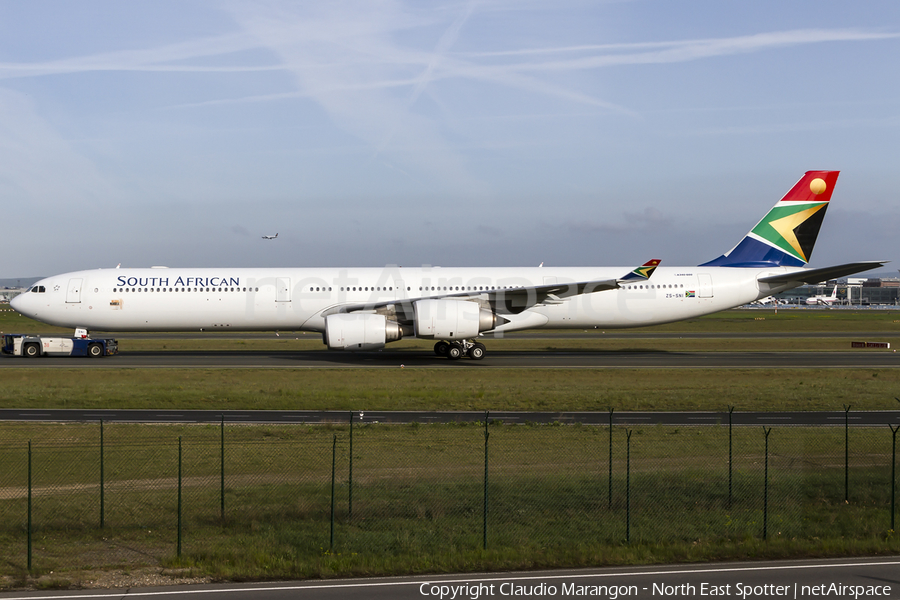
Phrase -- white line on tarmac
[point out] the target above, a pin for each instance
(490, 578)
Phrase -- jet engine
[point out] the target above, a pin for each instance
(353, 331)
(452, 319)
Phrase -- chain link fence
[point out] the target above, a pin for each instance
(116, 494)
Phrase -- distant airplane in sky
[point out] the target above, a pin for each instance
(270, 237)
(823, 300)
(365, 308)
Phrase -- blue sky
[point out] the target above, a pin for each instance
(482, 133)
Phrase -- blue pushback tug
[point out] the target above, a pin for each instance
(32, 346)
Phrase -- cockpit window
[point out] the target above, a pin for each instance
(38, 289)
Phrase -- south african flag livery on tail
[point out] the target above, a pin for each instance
(786, 235)
(643, 272)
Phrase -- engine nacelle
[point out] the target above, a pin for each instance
(452, 319)
(349, 331)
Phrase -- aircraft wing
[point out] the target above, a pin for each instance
(517, 299)
(824, 274)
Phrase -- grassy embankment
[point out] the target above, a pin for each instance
(418, 502)
(418, 498)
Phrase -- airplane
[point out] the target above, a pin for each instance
(766, 301)
(360, 309)
(270, 237)
(823, 300)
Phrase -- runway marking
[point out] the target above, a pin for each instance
(491, 577)
(642, 367)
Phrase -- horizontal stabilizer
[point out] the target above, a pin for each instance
(823, 274)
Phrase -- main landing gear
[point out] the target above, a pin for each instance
(458, 349)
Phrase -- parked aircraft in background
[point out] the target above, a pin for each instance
(768, 300)
(824, 300)
(365, 308)
(270, 237)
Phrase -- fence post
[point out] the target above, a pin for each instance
(29, 506)
(847, 452)
(222, 470)
(894, 431)
(102, 481)
(628, 485)
(333, 461)
(609, 491)
(766, 488)
(730, 455)
(178, 551)
(350, 482)
(485, 507)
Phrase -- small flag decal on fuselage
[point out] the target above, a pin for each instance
(690, 294)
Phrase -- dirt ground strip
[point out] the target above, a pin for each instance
(113, 579)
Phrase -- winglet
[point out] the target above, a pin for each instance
(642, 272)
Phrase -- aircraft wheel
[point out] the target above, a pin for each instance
(441, 348)
(476, 352)
(454, 351)
(31, 350)
(95, 350)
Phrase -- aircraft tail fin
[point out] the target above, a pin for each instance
(787, 234)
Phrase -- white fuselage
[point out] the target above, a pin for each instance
(162, 299)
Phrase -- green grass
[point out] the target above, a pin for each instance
(452, 389)
(418, 490)
(418, 498)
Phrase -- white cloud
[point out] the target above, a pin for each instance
(167, 58)
(344, 56)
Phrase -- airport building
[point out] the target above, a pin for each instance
(7, 294)
(852, 291)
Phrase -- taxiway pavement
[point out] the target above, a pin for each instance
(392, 359)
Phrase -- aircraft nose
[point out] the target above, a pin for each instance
(18, 303)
